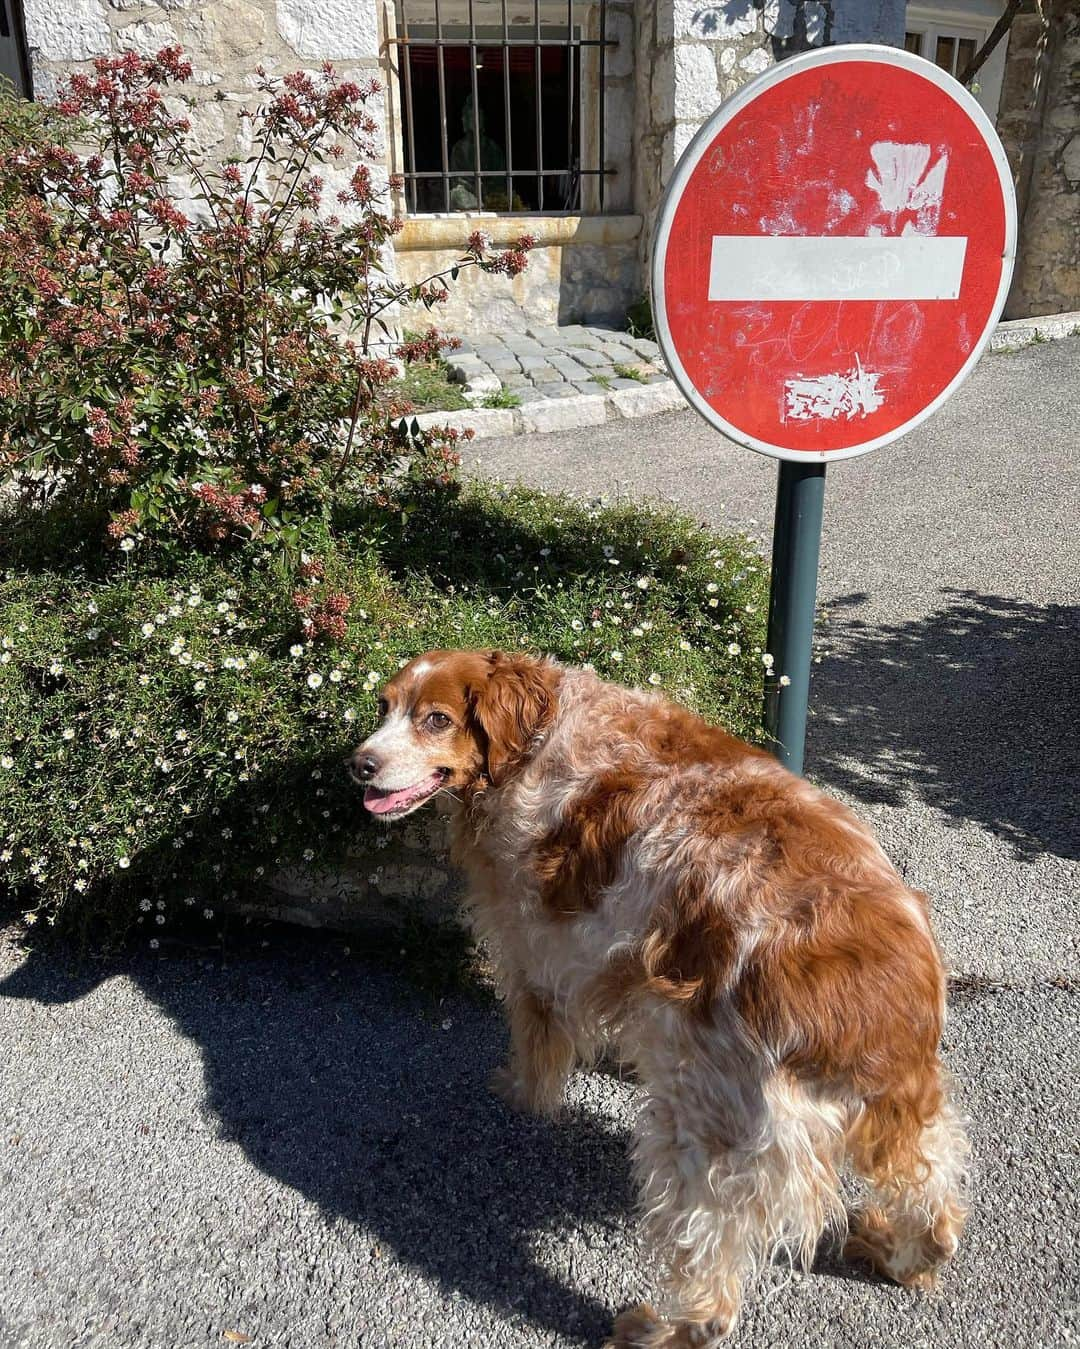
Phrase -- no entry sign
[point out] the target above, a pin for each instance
(833, 252)
(830, 259)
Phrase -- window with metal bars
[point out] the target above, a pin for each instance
(502, 104)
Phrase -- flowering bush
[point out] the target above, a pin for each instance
(165, 748)
(194, 349)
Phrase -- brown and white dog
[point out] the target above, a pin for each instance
(648, 883)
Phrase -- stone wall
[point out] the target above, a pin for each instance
(583, 269)
(225, 40)
(1039, 124)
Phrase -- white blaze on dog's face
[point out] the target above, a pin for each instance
(428, 739)
(451, 719)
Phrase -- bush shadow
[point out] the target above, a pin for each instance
(972, 708)
(337, 1080)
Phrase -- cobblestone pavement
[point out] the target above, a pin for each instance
(546, 362)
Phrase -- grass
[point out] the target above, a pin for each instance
(428, 386)
(603, 380)
(505, 398)
(639, 319)
(168, 738)
(630, 372)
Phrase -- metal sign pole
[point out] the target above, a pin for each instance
(800, 492)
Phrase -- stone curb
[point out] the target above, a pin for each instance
(559, 414)
(1017, 333)
(567, 414)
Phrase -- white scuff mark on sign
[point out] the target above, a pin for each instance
(854, 393)
(841, 203)
(901, 181)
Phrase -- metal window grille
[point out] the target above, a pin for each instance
(503, 110)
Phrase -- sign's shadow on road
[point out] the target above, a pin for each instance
(971, 709)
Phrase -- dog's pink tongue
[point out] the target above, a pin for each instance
(382, 803)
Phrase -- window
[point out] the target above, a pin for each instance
(951, 39)
(14, 65)
(499, 104)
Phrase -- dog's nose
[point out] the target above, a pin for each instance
(363, 765)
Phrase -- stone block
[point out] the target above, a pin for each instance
(697, 86)
(544, 334)
(590, 357)
(461, 368)
(329, 29)
(645, 346)
(67, 30)
(716, 20)
(646, 400)
(564, 414)
(483, 382)
(541, 374)
(481, 421)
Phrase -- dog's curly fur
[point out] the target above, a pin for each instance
(646, 882)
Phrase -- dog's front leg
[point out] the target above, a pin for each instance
(541, 1054)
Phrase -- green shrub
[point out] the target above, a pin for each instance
(168, 737)
(193, 347)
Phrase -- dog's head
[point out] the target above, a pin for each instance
(453, 721)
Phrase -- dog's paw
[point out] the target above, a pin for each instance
(636, 1328)
(641, 1328)
(509, 1087)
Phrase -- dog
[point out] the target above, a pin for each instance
(648, 884)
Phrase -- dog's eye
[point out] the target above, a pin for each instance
(438, 721)
(384, 707)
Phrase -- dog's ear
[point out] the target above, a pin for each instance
(511, 706)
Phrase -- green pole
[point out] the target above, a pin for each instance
(800, 491)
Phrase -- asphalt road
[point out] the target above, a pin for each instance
(292, 1143)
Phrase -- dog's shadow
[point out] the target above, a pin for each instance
(344, 1083)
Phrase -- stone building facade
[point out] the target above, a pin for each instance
(564, 118)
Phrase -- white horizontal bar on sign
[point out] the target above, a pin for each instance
(800, 267)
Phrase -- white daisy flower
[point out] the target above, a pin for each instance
(126, 545)
(314, 680)
(296, 649)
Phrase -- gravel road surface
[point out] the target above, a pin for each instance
(287, 1144)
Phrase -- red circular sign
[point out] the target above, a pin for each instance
(833, 252)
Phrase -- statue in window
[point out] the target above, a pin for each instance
(463, 160)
